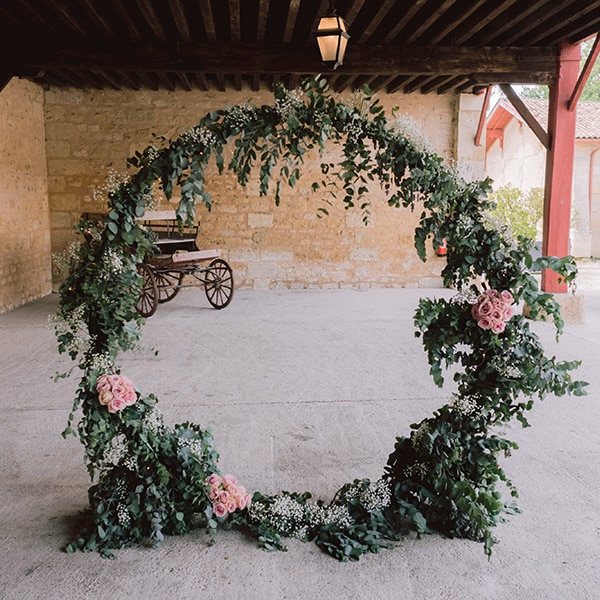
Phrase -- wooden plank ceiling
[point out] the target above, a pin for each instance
(427, 46)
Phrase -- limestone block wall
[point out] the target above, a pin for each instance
(24, 216)
(90, 133)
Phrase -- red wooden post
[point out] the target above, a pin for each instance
(559, 163)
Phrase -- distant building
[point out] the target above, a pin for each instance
(515, 155)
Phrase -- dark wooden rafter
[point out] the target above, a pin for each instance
(166, 81)
(433, 83)
(452, 83)
(152, 19)
(352, 12)
(424, 24)
(63, 11)
(235, 21)
(201, 81)
(397, 83)
(33, 15)
(131, 80)
(126, 19)
(519, 17)
(451, 24)
(576, 22)
(407, 16)
(208, 20)
(97, 17)
(291, 21)
(112, 80)
(376, 21)
(263, 17)
(181, 22)
(185, 81)
(478, 21)
(526, 115)
(554, 17)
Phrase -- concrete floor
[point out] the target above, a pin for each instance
(304, 390)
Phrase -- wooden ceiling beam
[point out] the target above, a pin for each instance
(290, 22)
(91, 10)
(376, 21)
(535, 64)
(180, 19)
(64, 13)
(514, 18)
(125, 17)
(581, 18)
(453, 82)
(452, 23)
(263, 17)
(479, 20)
(208, 20)
(428, 21)
(235, 21)
(150, 16)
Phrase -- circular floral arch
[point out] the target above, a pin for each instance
(152, 479)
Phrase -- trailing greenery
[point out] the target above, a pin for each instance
(152, 479)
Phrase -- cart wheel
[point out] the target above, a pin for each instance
(148, 301)
(219, 283)
(168, 284)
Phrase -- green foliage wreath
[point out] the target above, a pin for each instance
(152, 479)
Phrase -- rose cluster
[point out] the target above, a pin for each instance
(226, 494)
(493, 309)
(115, 392)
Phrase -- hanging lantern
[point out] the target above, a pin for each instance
(332, 38)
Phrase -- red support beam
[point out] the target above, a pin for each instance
(559, 163)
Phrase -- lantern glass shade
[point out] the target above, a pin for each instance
(332, 38)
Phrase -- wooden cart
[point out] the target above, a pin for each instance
(179, 264)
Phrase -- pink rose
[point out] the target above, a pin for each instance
(130, 397)
(116, 404)
(493, 294)
(498, 326)
(114, 379)
(103, 383)
(485, 323)
(224, 497)
(214, 479)
(105, 397)
(220, 509)
(508, 313)
(213, 494)
(231, 506)
(126, 382)
(247, 500)
(507, 297)
(229, 480)
(485, 307)
(475, 311)
(118, 390)
(497, 314)
(242, 502)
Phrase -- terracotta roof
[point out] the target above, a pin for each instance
(588, 117)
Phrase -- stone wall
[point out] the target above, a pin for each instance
(90, 133)
(24, 217)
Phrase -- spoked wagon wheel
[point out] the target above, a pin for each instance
(168, 283)
(148, 301)
(219, 283)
